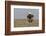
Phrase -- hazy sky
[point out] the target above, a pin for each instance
(21, 13)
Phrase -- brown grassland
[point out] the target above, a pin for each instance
(24, 23)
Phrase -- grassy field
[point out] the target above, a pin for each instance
(23, 23)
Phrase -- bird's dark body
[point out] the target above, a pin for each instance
(30, 16)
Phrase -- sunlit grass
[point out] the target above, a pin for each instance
(23, 23)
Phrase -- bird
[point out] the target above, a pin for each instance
(29, 17)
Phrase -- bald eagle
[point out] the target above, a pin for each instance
(29, 17)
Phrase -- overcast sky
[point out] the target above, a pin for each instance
(21, 13)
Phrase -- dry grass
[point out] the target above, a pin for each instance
(24, 23)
